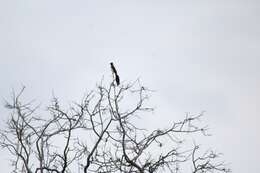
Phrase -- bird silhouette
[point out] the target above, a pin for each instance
(115, 73)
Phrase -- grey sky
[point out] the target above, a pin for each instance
(197, 55)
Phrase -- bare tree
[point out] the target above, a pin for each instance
(99, 135)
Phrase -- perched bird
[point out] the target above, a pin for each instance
(115, 73)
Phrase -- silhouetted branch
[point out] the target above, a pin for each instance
(98, 134)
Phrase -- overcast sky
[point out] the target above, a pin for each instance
(197, 55)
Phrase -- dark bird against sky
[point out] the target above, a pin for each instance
(115, 73)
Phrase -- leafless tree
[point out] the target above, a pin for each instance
(98, 134)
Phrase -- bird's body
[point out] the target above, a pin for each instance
(117, 80)
(115, 73)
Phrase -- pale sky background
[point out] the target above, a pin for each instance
(197, 55)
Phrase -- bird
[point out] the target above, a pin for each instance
(115, 73)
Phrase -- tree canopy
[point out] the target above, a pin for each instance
(98, 134)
